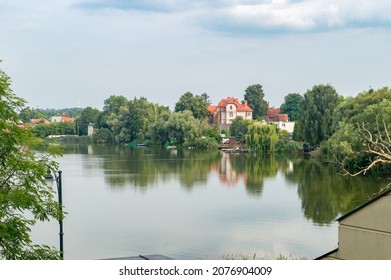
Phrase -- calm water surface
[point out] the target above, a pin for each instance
(124, 201)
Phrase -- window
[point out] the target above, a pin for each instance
(231, 114)
(230, 107)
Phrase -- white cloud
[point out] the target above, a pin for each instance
(309, 15)
(74, 51)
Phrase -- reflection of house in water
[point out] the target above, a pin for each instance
(365, 232)
(227, 174)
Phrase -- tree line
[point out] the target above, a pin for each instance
(323, 118)
(353, 132)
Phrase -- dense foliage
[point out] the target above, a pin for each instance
(238, 128)
(316, 120)
(88, 116)
(196, 104)
(255, 97)
(322, 119)
(369, 110)
(24, 196)
(292, 105)
(28, 113)
(58, 128)
(103, 136)
(262, 138)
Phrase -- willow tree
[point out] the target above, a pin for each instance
(24, 196)
(261, 138)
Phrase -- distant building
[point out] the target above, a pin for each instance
(274, 115)
(39, 121)
(288, 126)
(281, 120)
(90, 129)
(61, 119)
(227, 110)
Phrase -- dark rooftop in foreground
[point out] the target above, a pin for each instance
(143, 257)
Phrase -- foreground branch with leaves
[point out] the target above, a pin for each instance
(24, 196)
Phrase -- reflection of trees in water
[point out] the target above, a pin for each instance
(193, 167)
(256, 169)
(144, 167)
(325, 194)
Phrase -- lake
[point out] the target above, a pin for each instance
(188, 204)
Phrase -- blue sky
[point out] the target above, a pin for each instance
(70, 53)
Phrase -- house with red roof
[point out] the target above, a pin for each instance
(281, 120)
(62, 119)
(274, 115)
(39, 121)
(227, 110)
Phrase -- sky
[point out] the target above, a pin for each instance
(77, 53)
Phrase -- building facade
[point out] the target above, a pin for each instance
(227, 110)
(281, 120)
(61, 119)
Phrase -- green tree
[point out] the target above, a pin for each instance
(297, 132)
(182, 126)
(27, 113)
(206, 97)
(317, 113)
(255, 97)
(158, 131)
(261, 138)
(112, 106)
(238, 128)
(133, 121)
(102, 135)
(88, 115)
(23, 191)
(196, 104)
(292, 105)
(352, 108)
(212, 132)
(58, 128)
(358, 120)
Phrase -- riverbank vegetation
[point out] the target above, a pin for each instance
(339, 129)
(361, 138)
(353, 133)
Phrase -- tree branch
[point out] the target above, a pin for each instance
(376, 145)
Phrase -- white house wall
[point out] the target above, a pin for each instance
(288, 126)
(231, 113)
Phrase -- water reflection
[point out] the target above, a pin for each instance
(145, 167)
(324, 194)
